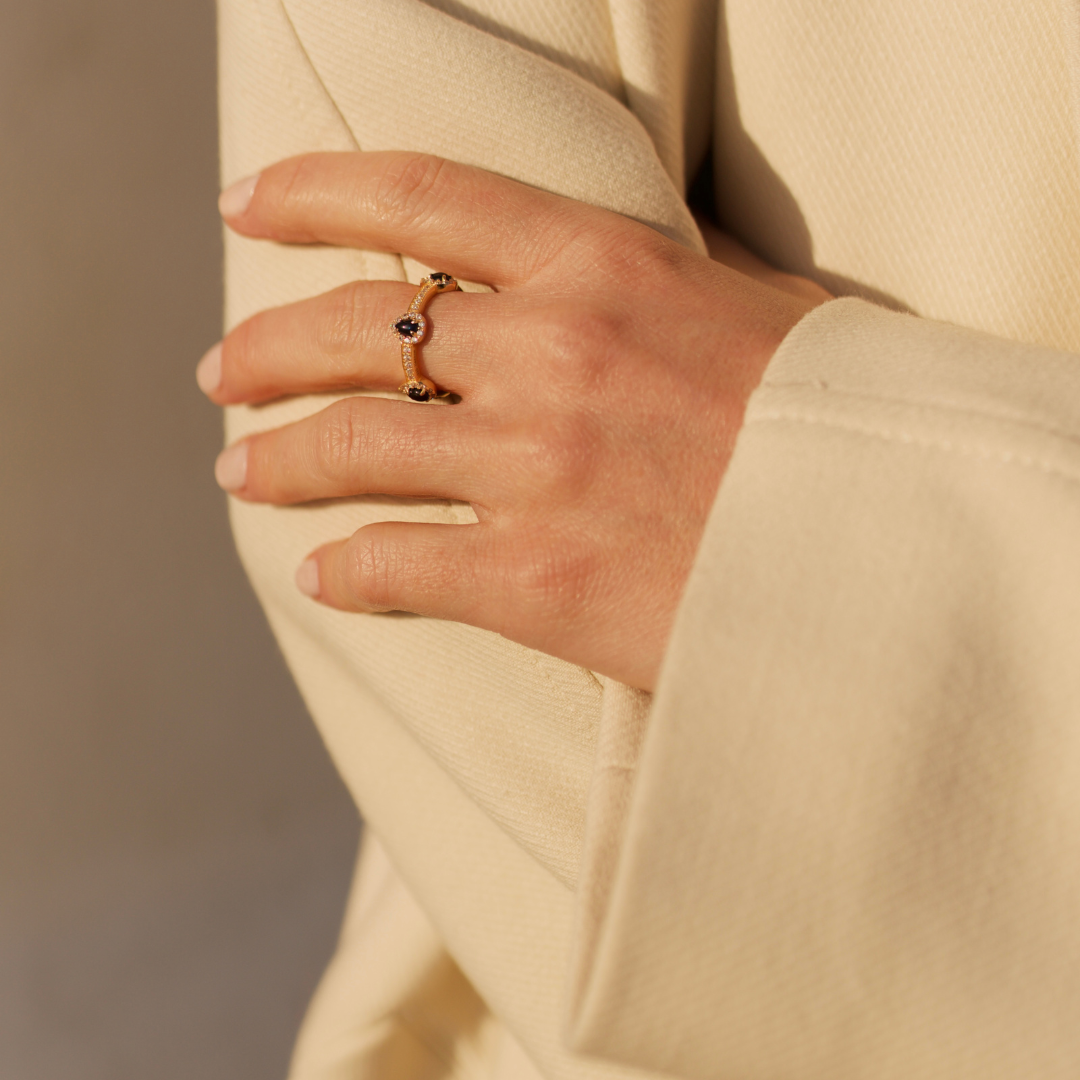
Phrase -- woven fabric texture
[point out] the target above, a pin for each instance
(843, 842)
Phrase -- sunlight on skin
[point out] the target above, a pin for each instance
(602, 386)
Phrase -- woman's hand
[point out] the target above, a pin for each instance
(601, 387)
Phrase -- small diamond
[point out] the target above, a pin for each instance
(440, 279)
(419, 393)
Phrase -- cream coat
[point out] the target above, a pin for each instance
(843, 842)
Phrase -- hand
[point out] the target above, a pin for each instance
(602, 385)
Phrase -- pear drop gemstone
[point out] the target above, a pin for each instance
(410, 328)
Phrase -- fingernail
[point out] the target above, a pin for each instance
(208, 370)
(233, 201)
(307, 578)
(230, 469)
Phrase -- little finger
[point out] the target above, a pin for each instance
(442, 571)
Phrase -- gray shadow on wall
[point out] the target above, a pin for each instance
(175, 846)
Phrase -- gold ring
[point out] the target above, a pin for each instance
(411, 328)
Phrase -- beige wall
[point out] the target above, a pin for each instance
(174, 844)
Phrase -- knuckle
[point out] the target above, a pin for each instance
(340, 440)
(617, 251)
(648, 248)
(339, 325)
(349, 439)
(408, 188)
(559, 459)
(239, 351)
(296, 177)
(371, 569)
(551, 575)
(581, 344)
(284, 196)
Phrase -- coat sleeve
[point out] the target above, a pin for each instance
(852, 848)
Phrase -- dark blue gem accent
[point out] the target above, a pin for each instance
(419, 393)
(407, 326)
(441, 279)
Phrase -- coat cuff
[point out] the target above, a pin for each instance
(852, 846)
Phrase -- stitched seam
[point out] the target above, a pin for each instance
(928, 409)
(923, 442)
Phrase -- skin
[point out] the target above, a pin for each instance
(602, 386)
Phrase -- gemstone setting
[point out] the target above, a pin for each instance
(411, 327)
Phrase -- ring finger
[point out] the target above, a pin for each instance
(361, 446)
(343, 339)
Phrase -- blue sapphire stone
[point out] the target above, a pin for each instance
(407, 326)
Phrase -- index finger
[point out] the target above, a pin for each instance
(473, 223)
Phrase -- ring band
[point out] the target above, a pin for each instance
(411, 328)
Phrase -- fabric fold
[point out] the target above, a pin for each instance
(841, 842)
(515, 729)
(554, 129)
(853, 847)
